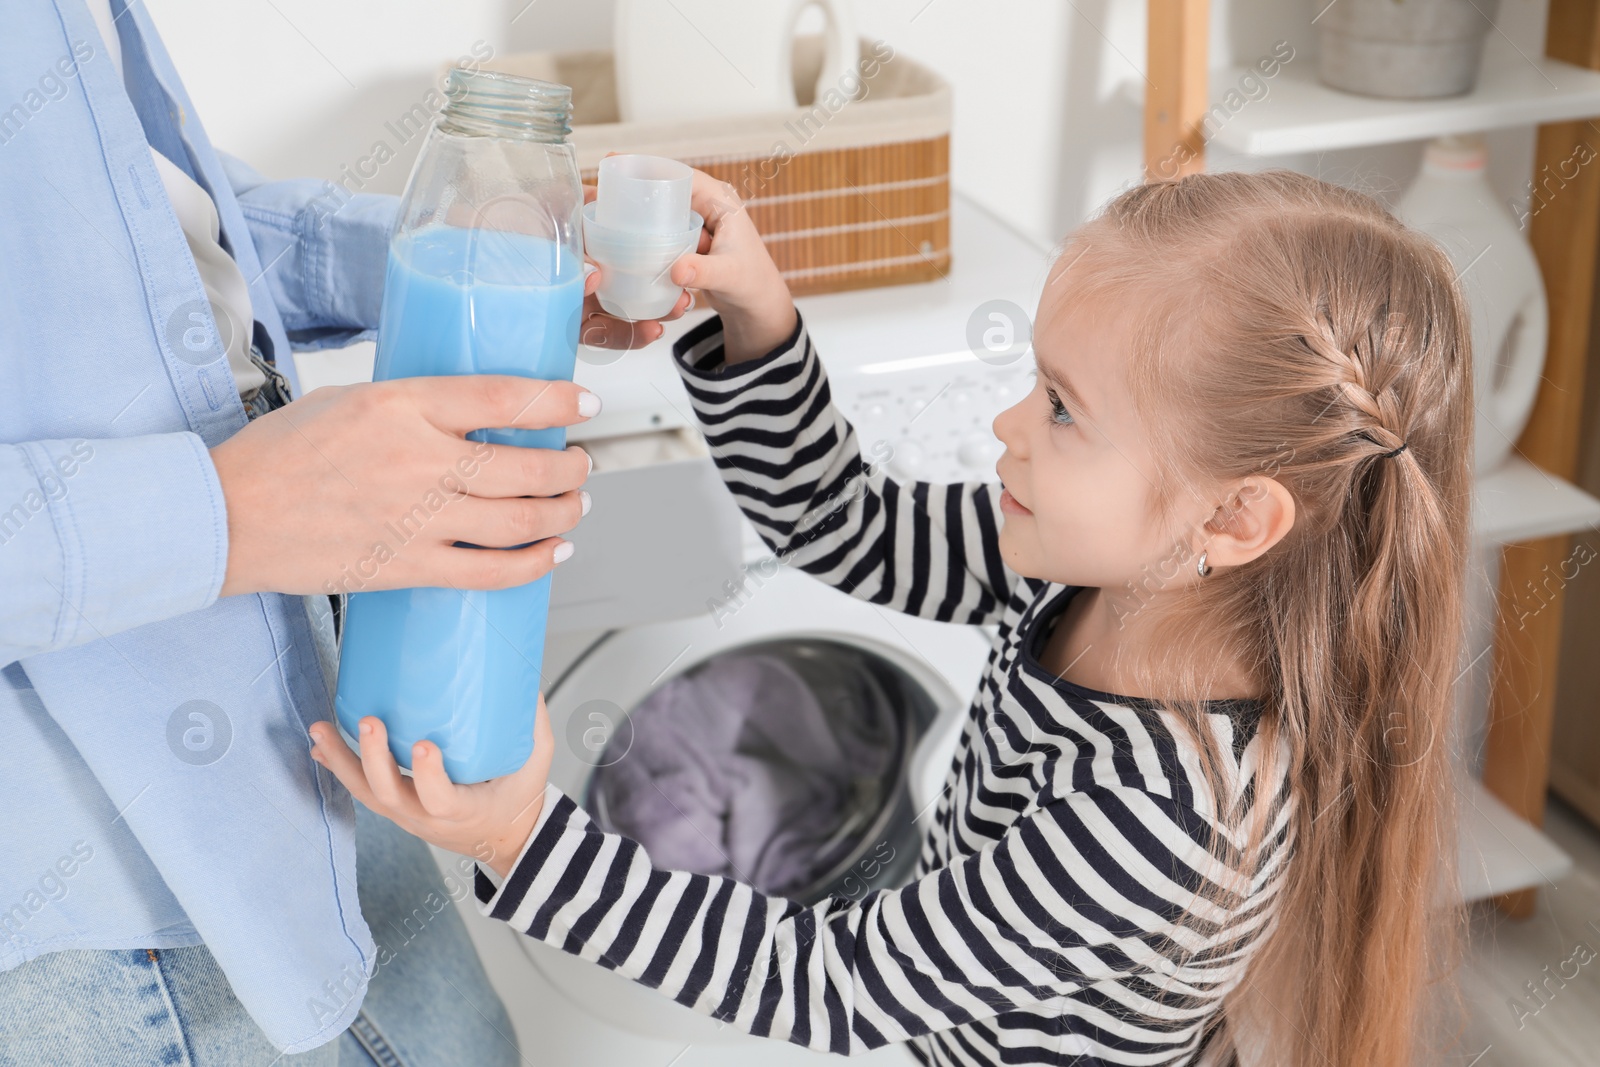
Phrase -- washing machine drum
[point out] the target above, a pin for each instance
(783, 764)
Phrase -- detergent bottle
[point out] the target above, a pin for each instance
(1453, 203)
(485, 276)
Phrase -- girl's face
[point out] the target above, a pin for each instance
(1079, 500)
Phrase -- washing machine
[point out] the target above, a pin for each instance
(670, 596)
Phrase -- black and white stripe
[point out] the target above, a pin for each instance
(1071, 839)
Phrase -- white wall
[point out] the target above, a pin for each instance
(304, 87)
(1045, 128)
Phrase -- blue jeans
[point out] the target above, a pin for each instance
(428, 1004)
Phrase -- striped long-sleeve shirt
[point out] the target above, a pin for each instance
(1047, 922)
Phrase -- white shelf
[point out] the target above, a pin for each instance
(1520, 502)
(1300, 114)
(1499, 853)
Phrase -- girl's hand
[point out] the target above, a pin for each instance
(489, 821)
(730, 271)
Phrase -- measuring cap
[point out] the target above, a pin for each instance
(643, 194)
(636, 278)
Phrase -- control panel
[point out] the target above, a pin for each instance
(936, 414)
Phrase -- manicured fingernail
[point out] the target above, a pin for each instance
(588, 459)
(588, 404)
(366, 728)
(585, 500)
(564, 551)
(688, 275)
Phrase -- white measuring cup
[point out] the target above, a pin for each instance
(637, 227)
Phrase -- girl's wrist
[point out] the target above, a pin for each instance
(751, 335)
(505, 848)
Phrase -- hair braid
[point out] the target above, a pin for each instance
(1378, 411)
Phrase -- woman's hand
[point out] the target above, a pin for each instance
(489, 821)
(729, 271)
(374, 486)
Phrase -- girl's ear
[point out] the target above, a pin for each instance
(1257, 515)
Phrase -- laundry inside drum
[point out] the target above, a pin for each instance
(782, 764)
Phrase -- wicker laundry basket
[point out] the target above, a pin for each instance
(847, 193)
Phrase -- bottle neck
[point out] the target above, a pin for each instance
(483, 103)
(1459, 156)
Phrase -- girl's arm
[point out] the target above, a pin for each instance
(1083, 891)
(1061, 902)
(794, 465)
(1086, 891)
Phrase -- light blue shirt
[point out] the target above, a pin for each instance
(155, 777)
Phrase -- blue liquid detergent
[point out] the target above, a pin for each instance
(461, 668)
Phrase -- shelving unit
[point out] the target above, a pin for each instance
(1527, 506)
(1500, 853)
(1520, 502)
(1300, 114)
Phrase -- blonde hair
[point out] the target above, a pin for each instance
(1290, 328)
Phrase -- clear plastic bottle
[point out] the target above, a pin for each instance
(485, 276)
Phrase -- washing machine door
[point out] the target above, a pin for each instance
(784, 763)
(793, 744)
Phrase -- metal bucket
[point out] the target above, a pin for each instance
(1402, 49)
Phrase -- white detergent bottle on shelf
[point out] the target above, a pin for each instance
(1453, 203)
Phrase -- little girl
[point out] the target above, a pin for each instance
(1200, 809)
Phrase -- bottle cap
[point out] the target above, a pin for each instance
(1457, 152)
